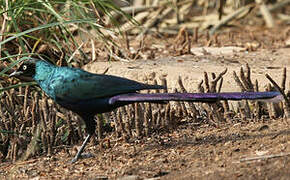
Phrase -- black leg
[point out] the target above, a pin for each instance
(78, 155)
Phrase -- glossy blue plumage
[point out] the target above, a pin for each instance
(88, 94)
(81, 91)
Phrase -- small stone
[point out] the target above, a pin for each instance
(101, 177)
(264, 127)
(287, 42)
(130, 177)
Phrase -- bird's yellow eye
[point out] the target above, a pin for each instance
(24, 67)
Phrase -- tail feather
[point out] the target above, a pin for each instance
(196, 97)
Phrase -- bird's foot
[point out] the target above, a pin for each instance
(73, 160)
(87, 155)
(84, 155)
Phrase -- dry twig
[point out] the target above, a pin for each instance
(264, 157)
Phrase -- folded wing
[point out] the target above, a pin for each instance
(75, 85)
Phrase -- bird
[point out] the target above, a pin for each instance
(88, 94)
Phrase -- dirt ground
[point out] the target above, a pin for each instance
(190, 152)
(191, 67)
(250, 150)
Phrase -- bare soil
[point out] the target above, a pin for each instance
(249, 150)
(189, 152)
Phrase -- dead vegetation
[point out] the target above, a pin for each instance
(32, 125)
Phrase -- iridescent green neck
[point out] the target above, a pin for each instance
(43, 70)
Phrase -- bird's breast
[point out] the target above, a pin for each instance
(90, 106)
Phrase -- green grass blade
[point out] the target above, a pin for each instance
(46, 26)
(17, 85)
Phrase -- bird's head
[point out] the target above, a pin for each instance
(26, 69)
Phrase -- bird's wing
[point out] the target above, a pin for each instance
(75, 84)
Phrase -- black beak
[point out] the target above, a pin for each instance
(15, 74)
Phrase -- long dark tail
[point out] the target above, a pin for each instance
(196, 97)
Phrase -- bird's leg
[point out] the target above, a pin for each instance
(90, 128)
(78, 155)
